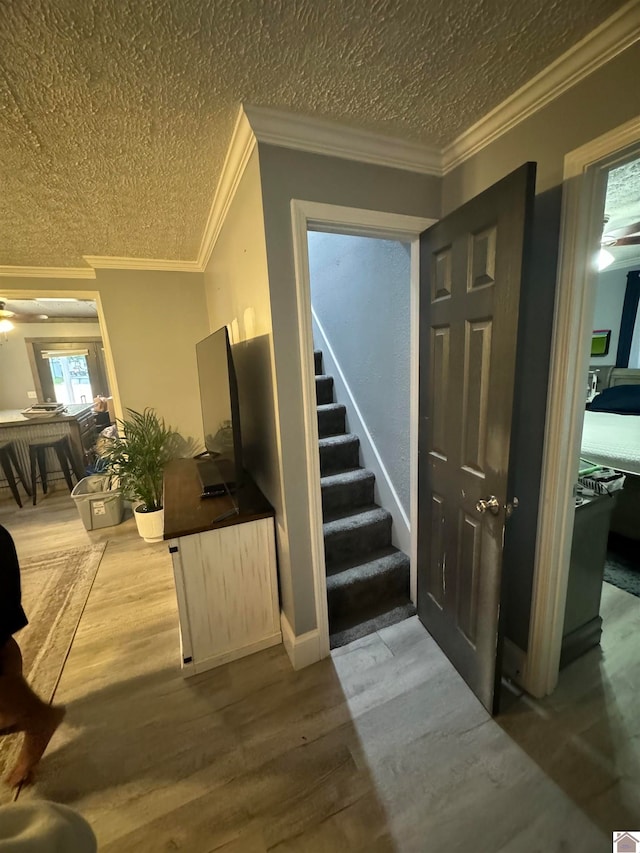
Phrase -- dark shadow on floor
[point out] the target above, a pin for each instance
(585, 736)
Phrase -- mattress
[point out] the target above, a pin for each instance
(612, 440)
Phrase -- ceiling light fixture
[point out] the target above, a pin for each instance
(6, 326)
(605, 259)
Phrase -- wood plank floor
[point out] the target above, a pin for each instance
(380, 748)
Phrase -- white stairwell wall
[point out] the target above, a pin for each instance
(360, 291)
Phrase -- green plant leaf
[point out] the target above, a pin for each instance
(138, 455)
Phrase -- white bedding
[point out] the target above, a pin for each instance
(612, 440)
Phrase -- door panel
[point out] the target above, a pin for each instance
(471, 266)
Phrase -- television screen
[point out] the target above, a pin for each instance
(220, 409)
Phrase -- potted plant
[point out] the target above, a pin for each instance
(137, 456)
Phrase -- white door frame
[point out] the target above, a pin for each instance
(585, 171)
(369, 223)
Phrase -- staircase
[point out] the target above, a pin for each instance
(367, 578)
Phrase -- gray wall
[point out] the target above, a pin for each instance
(290, 175)
(610, 290)
(361, 293)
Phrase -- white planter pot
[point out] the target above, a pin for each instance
(150, 524)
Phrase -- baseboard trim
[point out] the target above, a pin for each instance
(303, 650)
(580, 641)
(514, 662)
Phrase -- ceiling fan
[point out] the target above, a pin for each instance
(629, 235)
(7, 318)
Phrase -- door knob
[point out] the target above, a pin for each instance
(491, 503)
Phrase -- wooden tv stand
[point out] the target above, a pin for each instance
(224, 567)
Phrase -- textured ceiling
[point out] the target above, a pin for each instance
(58, 308)
(115, 114)
(622, 205)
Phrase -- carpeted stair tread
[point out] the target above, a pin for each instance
(356, 533)
(396, 612)
(364, 588)
(371, 571)
(331, 419)
(344, 477)
(353, 488)
(331, 407)
(350, 519)
(338, 440)
(317, 360)
(339, 453)
(389, 556)
(324, 389)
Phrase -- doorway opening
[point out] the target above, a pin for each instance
(317, 217)
(54, 353)
(604, 571)
(592, 439)
(361, 315)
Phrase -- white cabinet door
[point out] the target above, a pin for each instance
(229, 592)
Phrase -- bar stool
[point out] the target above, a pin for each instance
(9, 463)
(37, 456)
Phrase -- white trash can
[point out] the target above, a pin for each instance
(98, 505)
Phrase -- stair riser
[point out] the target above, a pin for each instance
(331, 422)
(342, 496)
(317, 358)
(357, 542)
(324, 389)
(339, 457)
(357, 601)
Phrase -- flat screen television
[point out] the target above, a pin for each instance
(220, 470)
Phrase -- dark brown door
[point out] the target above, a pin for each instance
(471, 266)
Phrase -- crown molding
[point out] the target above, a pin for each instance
(47, 272)
(243, 142)
(623, 263)
(109, 263)
(600, 46)
(321, 136)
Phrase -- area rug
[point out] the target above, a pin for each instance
(55, 588)
(622, 568)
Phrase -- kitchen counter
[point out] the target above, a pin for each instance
(14, 417)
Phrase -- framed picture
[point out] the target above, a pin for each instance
(600, 342)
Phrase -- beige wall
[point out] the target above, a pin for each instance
(152, 321)
(606, 99)
(286, 175)
(16, 378)
(237, 292)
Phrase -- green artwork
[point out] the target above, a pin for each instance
(600, 342)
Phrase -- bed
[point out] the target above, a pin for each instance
(612, 439)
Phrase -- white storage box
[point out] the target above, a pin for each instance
(98, 505)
